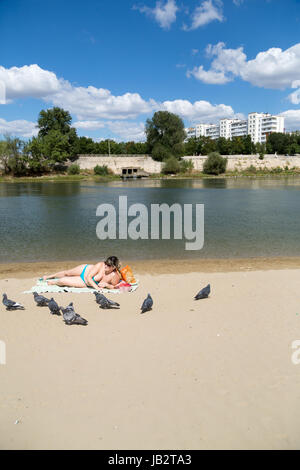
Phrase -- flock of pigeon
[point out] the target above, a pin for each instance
(72, 318)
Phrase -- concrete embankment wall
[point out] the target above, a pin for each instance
(241, 162)
(116, 162)
(235, 162)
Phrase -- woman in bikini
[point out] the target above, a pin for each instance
(103, 274)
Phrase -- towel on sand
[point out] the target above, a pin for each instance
(42, 287)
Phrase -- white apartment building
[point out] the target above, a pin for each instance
(197, 131)
(226, 126)
(258, 126)
(239, 128)
(271, 124)
(213, 131)
(201, 129)
(190, 132)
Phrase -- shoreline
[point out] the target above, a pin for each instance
(157, 266)
(64, 178)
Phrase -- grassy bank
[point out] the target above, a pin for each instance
(90, 176)
(58, 177)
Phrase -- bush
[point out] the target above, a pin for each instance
(171, 165)
(277, 170)
(101, 170)
(186, 166)
(261, 156)
(74, 169)
(214, 164)
(251, 169)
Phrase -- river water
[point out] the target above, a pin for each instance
(57, 220)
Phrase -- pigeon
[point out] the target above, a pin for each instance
(40, 300)
(203, 293)
(69, 308)
(71, 317)
(11, 304)
(53, 307)
(147, 304)
(104, 302)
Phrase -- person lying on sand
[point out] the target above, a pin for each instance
(103, 274)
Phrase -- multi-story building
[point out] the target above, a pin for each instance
(190, 132)
(226, 127)
(213, 131)
(258, 126)
(239, 128)
(201, 129)
(271, 124)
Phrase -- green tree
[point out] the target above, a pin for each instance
(54, 119)
(44, 153)
(161, 153)
(224, 146)
(36, 160)
(57, 122)
(278, 142)
(11, 156)
(209, 145)
(84, 145)
(167, 130)
(249, 147)
(238, 146)
(4, 157)
(191, 146)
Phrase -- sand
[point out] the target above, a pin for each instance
(208, 374)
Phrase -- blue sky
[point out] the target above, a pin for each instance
(112, 64)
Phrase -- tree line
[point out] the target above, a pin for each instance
(57, 143)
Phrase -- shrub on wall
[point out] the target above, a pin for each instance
(74, 169)
(214, 164)
(101, 170)
(171, 166)
(186, 166)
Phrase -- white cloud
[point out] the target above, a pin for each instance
(86, 102)
(291, 119)
(295, 97)
(238, 2)
(163, 13)
(89, 125)
(29, 80)
(91, 102)
(200, 111)
(97, 108)
(208, 76)
(124, 130)
(20, 128)
(208, 11)
(273, 68)
(128, 131)
(227, 60)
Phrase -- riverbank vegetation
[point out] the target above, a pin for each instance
(55, 148)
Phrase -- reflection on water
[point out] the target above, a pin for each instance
(57, 220)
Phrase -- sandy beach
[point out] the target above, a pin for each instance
(209, 374)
